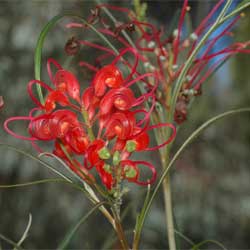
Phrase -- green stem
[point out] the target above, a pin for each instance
(169, 212)
(120, 232)
(89, 129)
(166, 184)
(167, 195)
(118, 193)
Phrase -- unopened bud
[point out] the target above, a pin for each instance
(242, 14)
(151, 44)
(175, 33)
(116, 158)
(162, 58)
(175, 66)
(193, 36)
(188, 78)
(104, 153)
(130, 172)
(146, 64)
(130, 146)
(107, 168)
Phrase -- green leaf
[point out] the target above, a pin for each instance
(34, 158)
(11, 242)
(194, 135)
(31, 183)
(38, 52)
(52, 180)
(184, 237)
(196, 247)
(140, 220)
(74, 229)
(26, 231)
(240, 8)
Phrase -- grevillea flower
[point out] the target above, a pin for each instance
(99, 129)
(108, 76)
(167, 55)
(108, 103)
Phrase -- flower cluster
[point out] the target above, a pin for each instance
(167, 55)
(100, 128)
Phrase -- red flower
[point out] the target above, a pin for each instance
(120, 125)
(108, 104)
(106, 177)
(108, 76)
(65, 81)
(122, 99)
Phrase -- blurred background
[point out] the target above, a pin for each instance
(211, 187)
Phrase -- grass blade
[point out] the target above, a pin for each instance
(194, 135)
(196, 247)
(43, 163)
(31, 183)
(74, 229)
(11, 242)
(26, 231)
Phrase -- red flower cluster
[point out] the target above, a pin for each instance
(167, 55)
(99, 129)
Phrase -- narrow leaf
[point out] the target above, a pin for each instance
(74, 229)
(25, 234)
(194, 135)
(11, 242)
(196, 247)
(240, 8)
(31, 183)
(43, 163)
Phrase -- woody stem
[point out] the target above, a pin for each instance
(166, 185)
(120, 231)
(169, 212)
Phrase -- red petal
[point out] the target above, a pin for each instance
(59, 152)
(119, 144)
(107, 178)
(61, 122)
(122, 98)
(92, 151)
(66, 81)
(109, 76)
(141, 140)
(87, 97)
(39, 128)
(120, 125)
(53, 97)
(77, 140)
(80, 170)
